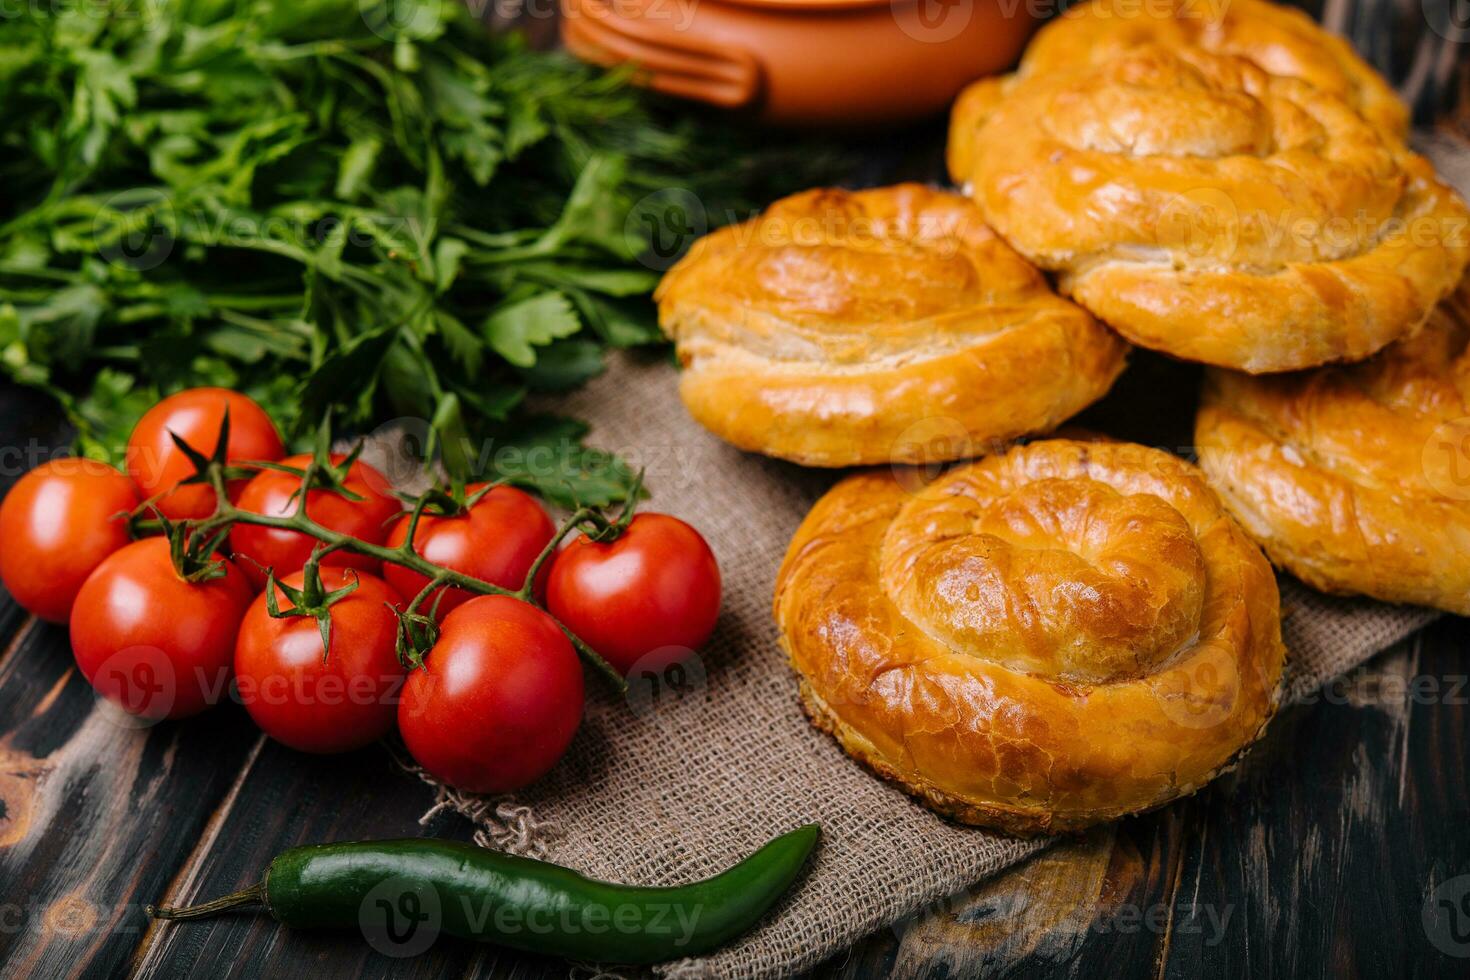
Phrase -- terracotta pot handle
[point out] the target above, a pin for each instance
(670, 61)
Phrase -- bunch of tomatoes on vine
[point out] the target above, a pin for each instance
(335, 609)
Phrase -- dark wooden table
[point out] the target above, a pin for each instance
(1321, 856)
(1340, 848)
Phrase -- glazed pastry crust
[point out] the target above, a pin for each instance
(886, 325)
(1205, 208)
(1281, 40)
(1037, 641)
(1356, 479)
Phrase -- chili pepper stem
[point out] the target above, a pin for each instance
(254, 895)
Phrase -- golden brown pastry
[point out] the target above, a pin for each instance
(1280, 39)
(883, 325)
(1037, 641)
(1356, 479)
(1205, 208)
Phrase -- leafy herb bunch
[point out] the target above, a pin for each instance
(371, 206)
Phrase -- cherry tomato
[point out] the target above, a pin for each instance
(656, 585)
(57, 524)
(270, 492)
(157, 465)
(496, 541)
(334, 704)
(498, 699)
(151, 642)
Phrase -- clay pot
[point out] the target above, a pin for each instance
(805, 61)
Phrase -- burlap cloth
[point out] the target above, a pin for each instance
(676, 783)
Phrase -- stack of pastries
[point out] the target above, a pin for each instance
(1065, 631)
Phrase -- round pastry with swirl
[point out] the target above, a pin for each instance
(1357, 478)
(883, 325)
(1206, 208)
(1036, 641)
(1280, 39)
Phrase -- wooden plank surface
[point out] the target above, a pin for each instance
(1315, 859)
(1324, 855)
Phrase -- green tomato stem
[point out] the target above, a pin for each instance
(406, 556)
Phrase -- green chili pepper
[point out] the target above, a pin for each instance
(402, 886)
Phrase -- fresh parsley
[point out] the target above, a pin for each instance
(373, 207)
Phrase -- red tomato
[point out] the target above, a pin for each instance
(497, 541)
(342, 702)
(270, 493)
(657, 585)
(498, 700)
(157, 465)
(154, 644)
(57, 524)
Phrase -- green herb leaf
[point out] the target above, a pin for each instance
(546, 453)
(376, 207)
(565, 364)
(514, 329)
(350, 368)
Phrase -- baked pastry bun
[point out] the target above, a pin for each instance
(876, 326)
(1280, 39)
(1356, 479)
(1036, 641)
(1207, 209)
